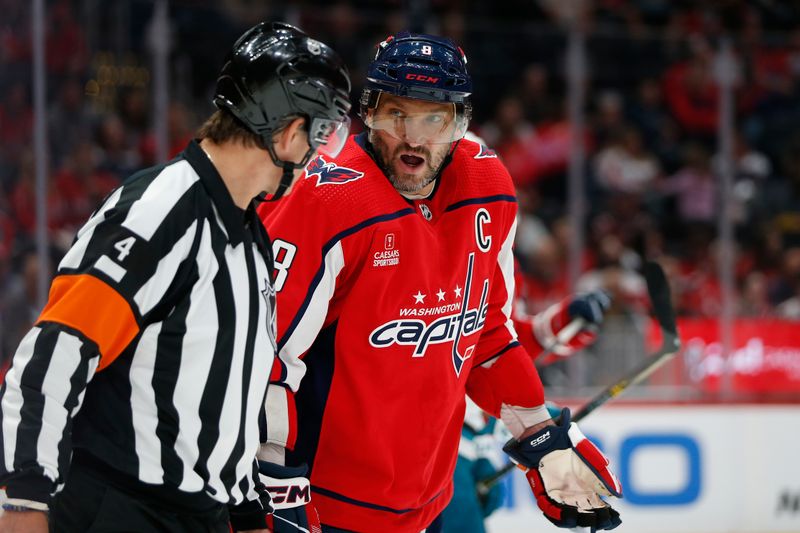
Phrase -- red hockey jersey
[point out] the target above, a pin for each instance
(395, 304)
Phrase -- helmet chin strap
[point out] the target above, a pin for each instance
(286, 180)
(287, 176)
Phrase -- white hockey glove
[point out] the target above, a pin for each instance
(568, 476)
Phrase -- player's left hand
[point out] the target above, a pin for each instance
(291, 498)
(590, 306)
(568, 476)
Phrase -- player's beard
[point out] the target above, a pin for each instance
(402, 181)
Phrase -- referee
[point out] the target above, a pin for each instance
(140, 386)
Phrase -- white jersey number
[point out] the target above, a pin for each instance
(284, 253)
(481, 219)
(124, 247)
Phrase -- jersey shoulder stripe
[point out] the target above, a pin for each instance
(482, 200)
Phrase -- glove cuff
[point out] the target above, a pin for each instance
(529, 450)
(287, 486)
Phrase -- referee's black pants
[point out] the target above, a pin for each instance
(91, 503)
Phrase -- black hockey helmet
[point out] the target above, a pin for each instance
(275, 71)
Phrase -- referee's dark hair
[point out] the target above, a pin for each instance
(222, 127)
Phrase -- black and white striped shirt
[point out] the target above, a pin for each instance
(154, 352)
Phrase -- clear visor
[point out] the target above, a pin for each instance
(328, 136)
(434, 127)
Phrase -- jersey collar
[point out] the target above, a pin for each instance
(233, 217)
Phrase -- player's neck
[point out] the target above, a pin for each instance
(246, 171)
(421, 194)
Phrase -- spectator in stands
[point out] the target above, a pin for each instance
(541, 279)
(67, 52)
(538, 101)
(754, 301)
(702, 292)
(786, 291)
(83, 185)
(609, 117)
(180, 131)
(134, 112)
(65, 202)
(694, 186)
(625, 165)
(16, 122)
(648, 112)
(69, 120)
(118, 157)
(508, 133)
(691, 91)
(751, 169)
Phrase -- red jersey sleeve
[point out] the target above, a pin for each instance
(505, 382)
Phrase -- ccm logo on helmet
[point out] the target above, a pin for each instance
(422, 77)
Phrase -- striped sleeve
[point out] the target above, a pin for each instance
(42, 392)
(124, 266)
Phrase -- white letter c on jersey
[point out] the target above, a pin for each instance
(484, 241)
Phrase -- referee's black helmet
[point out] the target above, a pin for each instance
(276, 72)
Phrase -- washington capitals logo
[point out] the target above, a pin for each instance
(330, 172)
(485, 153)
(456, 328)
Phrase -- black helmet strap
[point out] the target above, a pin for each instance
(288, 171)
(286, 180)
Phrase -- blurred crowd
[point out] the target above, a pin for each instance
(652, 166)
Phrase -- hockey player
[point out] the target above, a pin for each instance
(394, 279)
(140, 386)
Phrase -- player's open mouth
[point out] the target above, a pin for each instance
(412, 161)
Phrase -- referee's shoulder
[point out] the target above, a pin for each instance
(163, 185)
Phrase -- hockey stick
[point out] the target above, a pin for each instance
(564, 336)
(658, 290)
